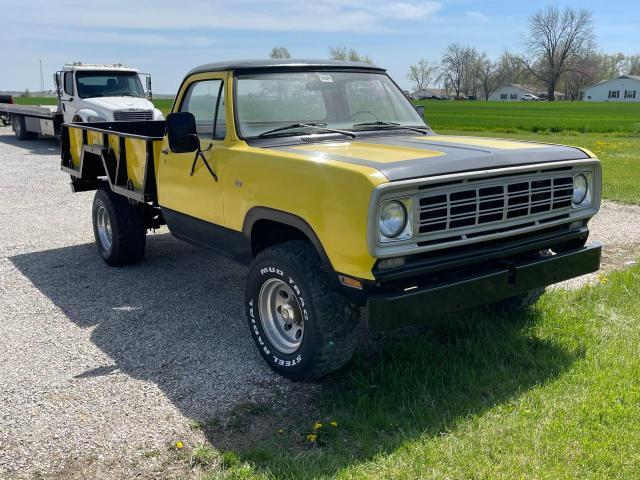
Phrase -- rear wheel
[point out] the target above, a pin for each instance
(20, 129)
(300, 322)
(119, 229)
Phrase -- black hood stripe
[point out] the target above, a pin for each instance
(457, 158)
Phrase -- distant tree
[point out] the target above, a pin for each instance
(421, 74)
(280, 52)
(344, 53)
(488, 76)
(591, 69)
(26, 93)
(555, 44)
(511, 70)
(632, 64)
(457, 67)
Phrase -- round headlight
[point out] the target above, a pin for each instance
(580, 189)
(393, 219)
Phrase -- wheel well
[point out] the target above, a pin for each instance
(267, 233)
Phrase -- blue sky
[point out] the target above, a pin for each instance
(168, 37)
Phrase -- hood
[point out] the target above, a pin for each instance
(118, 103)
(412, 156)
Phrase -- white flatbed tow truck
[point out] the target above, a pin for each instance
(86, 93)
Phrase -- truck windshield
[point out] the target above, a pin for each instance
(342, 100)
(109, 84)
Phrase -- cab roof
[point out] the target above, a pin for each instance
(283, 64)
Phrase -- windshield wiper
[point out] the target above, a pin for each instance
(316, 125)
(389, 126)
(94, 95)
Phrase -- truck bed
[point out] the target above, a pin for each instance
(123, 155)
(48, 112)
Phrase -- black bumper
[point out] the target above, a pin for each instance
(392, 310)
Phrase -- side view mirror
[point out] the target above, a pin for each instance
(181, 132)
(420, 109)
(149, 94)
(57, 83)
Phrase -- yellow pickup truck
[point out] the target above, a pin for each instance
(326, 181)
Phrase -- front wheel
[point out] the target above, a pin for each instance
(300, 322)
(520, 303)
(119, 229)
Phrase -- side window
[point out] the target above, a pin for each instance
(68, 83)
(205, 100)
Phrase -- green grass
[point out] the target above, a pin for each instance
(551, 394)
(554, 117)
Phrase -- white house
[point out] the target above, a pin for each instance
(514, 91)
(625, 88)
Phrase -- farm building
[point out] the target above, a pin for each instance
(625, 88)
(514, 91)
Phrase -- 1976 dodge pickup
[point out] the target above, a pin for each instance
(327, 181)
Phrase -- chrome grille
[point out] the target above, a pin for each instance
(132, 116)
(479, 206)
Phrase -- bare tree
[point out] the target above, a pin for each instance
(555, 43)
(511, 70)
(421, 74)
(344, 53)
(591, 69)
(487, 72)
(632, 65)
(280, 52)
(457, 67)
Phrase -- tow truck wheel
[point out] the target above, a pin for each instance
(302, 325)
(119, 229)
(20, 129)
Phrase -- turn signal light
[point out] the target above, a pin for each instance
(350, 282)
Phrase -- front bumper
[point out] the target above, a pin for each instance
(392, 310)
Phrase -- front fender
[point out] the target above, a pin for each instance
(85, 113)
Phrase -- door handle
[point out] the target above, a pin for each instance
(165, 151)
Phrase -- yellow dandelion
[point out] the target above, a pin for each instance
(312, 437)
(333, 423)
(317, 425)
(280, 430)
(602, 278)
(179, 445)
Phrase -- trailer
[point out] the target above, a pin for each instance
(86, 93)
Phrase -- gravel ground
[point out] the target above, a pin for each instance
(102, 368)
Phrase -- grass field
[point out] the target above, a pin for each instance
(551, 394)
(553, 117)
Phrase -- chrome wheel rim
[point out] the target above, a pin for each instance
(103, 225)
(281, 315)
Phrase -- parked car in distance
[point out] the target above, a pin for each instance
(529, 97)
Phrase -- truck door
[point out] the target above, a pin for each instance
(198, 195)
(66, 95)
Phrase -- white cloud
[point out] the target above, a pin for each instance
(252, 15)
(477, 16)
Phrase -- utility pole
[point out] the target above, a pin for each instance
(41, 78)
